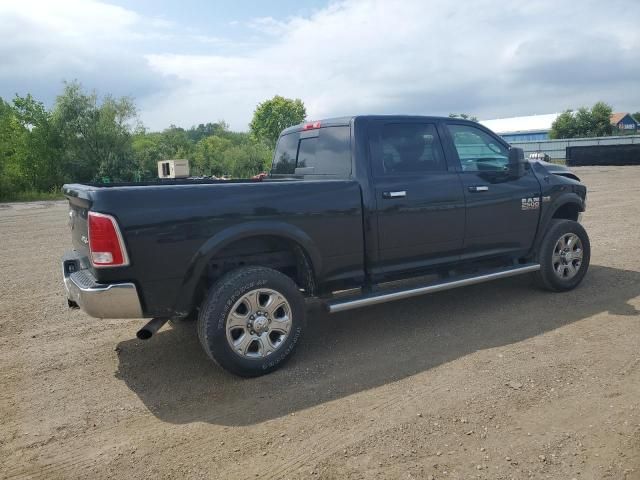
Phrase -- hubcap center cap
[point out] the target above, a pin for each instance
(260, 324)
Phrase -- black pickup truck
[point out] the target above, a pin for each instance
(356, 211)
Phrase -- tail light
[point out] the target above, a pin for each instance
(105, 242)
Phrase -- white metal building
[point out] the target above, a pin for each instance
(522, 129)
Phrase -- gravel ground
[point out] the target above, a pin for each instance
(494, 381)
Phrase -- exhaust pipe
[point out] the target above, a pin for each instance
(150, 329)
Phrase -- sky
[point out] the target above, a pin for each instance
(198, 61)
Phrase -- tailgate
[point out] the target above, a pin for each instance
(79, 205)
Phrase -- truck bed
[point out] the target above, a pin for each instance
(169, 227)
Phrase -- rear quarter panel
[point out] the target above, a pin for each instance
(166, 228)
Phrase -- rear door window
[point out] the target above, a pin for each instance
(407, 149)
(324, 153)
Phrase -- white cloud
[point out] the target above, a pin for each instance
(485, 57)
(422, 56)
(45, 42)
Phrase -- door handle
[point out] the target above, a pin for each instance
(478, 188)
(398, 194)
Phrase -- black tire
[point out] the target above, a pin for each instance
(216, 308)
(546, 277)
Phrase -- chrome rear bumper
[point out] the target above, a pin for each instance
(100, 300)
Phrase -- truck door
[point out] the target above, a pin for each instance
(502, 210)
(419, 200)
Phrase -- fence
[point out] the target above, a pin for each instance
(557, 149)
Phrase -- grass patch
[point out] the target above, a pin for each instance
(32, 196)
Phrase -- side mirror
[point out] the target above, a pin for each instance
(517, 163)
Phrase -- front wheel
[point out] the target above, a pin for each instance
(251, 321)
(564, 256)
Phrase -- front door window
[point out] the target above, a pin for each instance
(478, 151)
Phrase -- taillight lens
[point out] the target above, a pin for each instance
(105, 242)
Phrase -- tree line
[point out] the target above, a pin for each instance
(86, 138)
(586, 122)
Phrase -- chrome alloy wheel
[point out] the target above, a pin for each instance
(567, 256)
(258, 323)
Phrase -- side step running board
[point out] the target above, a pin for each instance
(389, 296)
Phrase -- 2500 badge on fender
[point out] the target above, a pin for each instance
(530, 203)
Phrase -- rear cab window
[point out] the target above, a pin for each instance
(320, 153)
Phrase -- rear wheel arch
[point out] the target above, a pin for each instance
(283, 249)
(278, 252)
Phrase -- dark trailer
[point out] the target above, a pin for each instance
(604, 155)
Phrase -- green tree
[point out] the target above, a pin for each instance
(585, 122)
(636, 116)
(565, 126)
(41, 148)
(195, 134)
(97, 134)
(176, 141)
(248, 159)
(274, 115)
(148, 150)
(86, 138)
(12, 140)
(151, 147)
(211, 157)
(232, 153)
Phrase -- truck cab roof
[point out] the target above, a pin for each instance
(341, 121)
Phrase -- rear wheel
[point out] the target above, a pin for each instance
(564, 256)
(251, 321)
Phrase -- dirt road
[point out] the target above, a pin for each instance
(494, 381)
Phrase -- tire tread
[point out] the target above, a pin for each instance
(215, 300)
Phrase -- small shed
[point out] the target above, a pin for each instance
(173, 168)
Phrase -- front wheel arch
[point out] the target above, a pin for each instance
(568, 207)
(568, 211)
